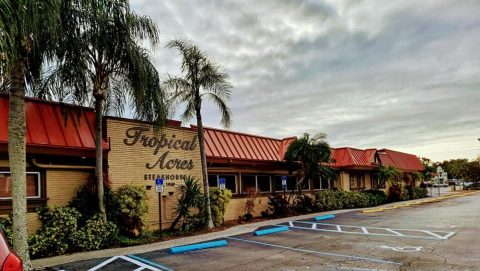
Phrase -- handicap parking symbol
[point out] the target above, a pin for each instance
(403, 249)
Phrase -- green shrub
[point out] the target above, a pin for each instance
(328, 199)
(405, 194)
(218, 202)
(351, 199)
(303, 204)
(278, 206)
(6, 223)
(96, 234)
(190, 211)
(419, 192)
(132, 209)
(54, 237)
(375, 197)
(398, 193)
(85, 201)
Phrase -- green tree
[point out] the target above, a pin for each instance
(28, 34)
(99, 56)
(386, 174)
(313, 153)
(202, 79)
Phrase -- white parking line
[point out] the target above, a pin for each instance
(315, 226)
(314, 252)
(141, 266)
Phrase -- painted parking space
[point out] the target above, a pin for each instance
(371, 231)
(422, 237)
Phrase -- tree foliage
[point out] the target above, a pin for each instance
(386, 174)
(313, 153)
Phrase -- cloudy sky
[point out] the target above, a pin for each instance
(397, 74)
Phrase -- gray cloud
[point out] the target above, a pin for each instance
(396, 74)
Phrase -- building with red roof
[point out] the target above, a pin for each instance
(61, 151)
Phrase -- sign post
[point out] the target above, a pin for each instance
(440, 175)
(159, 190)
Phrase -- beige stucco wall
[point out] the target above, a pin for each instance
(131, 164)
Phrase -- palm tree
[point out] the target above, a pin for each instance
(312, 153)
(99, 56)
(28, 31)
(201, 79)
(385, 174)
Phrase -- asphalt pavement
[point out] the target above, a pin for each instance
(435, 236)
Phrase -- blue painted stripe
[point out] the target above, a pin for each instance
(145, 261)
(323, 217)
(270, 231)
(181, 249)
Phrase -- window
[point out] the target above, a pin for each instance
(261, 183)
(320, 183)
(357, 181)
(212, 180)
(33, 185)
(291, 183)
(230, 181)
(375, 182)
(249, 182)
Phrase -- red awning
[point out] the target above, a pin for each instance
(54, 126)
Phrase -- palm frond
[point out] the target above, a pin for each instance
(222, 106)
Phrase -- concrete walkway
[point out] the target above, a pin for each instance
(240, 229)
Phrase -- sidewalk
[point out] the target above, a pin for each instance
(240, 229)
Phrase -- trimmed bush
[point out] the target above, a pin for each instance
(132, 209)
(375, 197)
(54, 237)
(398, 193)
(419, 192)
(328, 199)
(218, 203)
(278, 206)
(352, 200)
(303, 204)
(96, 234)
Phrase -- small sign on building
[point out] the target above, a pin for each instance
(284, 182)
(159, 185)
(221, 183)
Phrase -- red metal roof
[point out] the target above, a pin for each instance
(234, 145)
(351, 157)
(223, 144)
(400, 160)
(52, 124)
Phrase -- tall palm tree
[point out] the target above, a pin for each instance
(28, 31)
(385, 174)
(313, 153)
(201, 79)
(100, 57)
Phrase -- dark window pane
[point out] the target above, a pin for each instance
(230, 182)
(316, 183)
(212, 181)
(306, 185)
(248, 183)
(325, 183)
(263, 183)
(291, 183)
(277, 183)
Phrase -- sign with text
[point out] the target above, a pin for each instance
(221, 183)
(284, 182)
(159, 185)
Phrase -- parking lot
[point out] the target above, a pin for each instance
(435, 236)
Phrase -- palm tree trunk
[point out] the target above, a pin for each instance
(203, 158)
(99, 153)
(17, 157)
